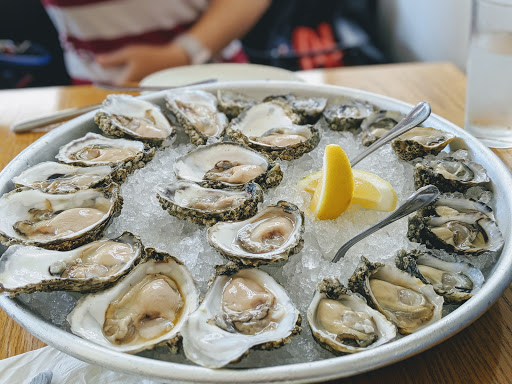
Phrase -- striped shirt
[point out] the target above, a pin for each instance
(90, 27)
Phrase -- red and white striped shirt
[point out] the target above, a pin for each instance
(90, 27)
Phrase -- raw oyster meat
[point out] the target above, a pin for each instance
(52, 177)
(457, 225)
(455, 281)
(342, 322)
(378, 124)
(421, 141)
(94, 149)
(206, 206)
(405, 300)
(127, 116)
(347, 114)
(309, 109)
(233, 103)
(242, 309)
(89, 268)
(61, 222)
(272, 128)
(227, 165)
(272, 235)
(145, 309)
(197, 112)
(450, 174)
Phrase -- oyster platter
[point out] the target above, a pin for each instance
(167, 236)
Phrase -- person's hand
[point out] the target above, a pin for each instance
(141, 60)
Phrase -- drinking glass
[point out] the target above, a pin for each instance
(489, 73)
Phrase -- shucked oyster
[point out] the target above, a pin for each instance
(227, 165)
(421, 141)
(94, 149)
(346, 114)
(272, 235)
(89, 268)
(233, 103)
(197, 112)
(342, 322)
(60, 222)
(309, 109)
(191, 202)
(449, 174)
(127, 116)
(379, 124)
(457, 225)
(242, 310)
(146, 308)
(407, 302)
(455, 281)
(52, 177)
(271, 128)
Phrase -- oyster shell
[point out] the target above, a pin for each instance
(342, 322)
(271, 128)
(197, 112)
(455, 281)
(233, 103)
(145, 309)
(450, 174)
(347, 114)
(421, 141)
(242, 310)
(52, 177)
(206, 206)
(405, 300)
(227, 165)
(272, 235)
(458, 225)
(127, 116)
(378, 124)
(94, 149)
(309, 109)
(61, 222)
(89, 268)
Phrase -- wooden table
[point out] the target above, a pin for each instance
(482, 353)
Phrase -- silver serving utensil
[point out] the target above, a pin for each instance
(418, 115)
(29, 125)
(44, 377)
(419, 199)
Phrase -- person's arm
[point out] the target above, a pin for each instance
(222, 22)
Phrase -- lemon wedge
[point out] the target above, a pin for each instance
(332, 191)
(370, 190)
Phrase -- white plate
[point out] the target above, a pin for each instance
(221, 72)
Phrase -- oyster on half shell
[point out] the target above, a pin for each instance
(346, 114)
(61, 222)
(272, 235)
(309, 109)
(206, 206)
(457, 225)
(378, 124)
(404, 299)
(421, 141)
(272, 128)
(455, 281)
(89, 268)
(223, 165)
(242, 309)
(52, 177)
(342, 322)
(145, 309)
(127, 116)
(197, 112)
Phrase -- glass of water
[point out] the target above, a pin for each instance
(489, 74)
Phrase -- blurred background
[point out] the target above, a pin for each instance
(366, 31)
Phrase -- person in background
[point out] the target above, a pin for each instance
(122, 41)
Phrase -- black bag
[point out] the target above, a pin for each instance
(301, 34)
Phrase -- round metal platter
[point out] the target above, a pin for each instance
(46, 147)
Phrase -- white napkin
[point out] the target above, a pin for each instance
(66, 369)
